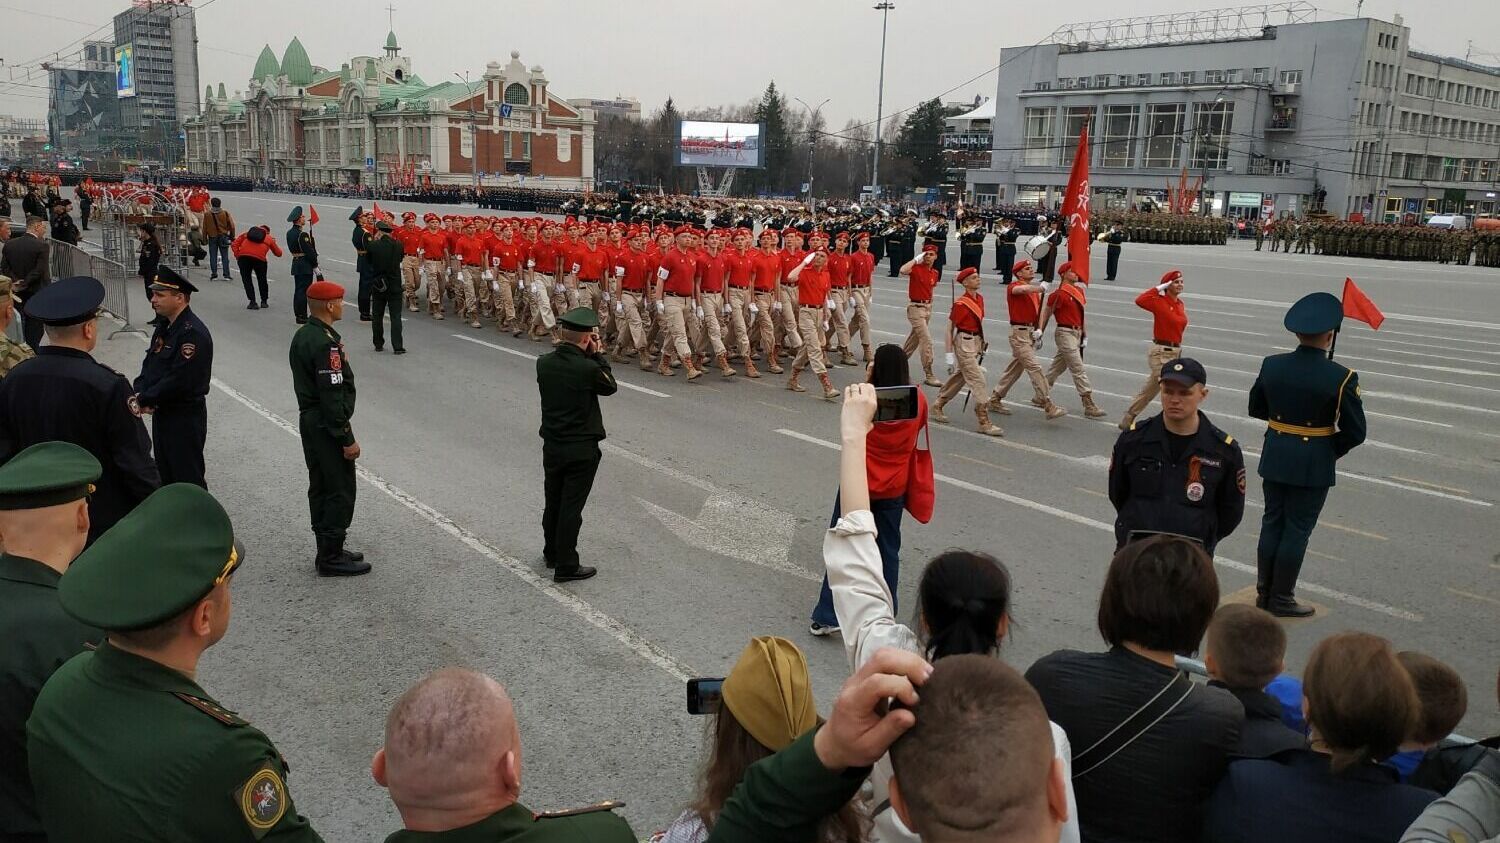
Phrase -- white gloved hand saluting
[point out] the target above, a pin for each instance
(809, 259)
(1161, 289)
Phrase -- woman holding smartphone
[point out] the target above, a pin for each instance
(888, 465)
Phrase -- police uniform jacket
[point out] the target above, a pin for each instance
(304, 250)
(39, 637)
(1313, 412)
(571, 382)
(152, 757)
(1201, 496)
(64, 394)
(516, 823)
(178, 366)
(323, 380)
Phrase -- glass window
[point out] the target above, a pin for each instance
(1103, 80)
(1041, 134)
(1233, 76)
(1486, 171)
(1077, 117)
(1291, 77)
(1164, 125)
(526, 146)
(1450, 169)
(1119, 135)
(515, 94)
(1143, 79)
(1211, 127)
(1189, 77)
(1168, 79)
(1260, 75)
(507, 146)
(1213, 77)
(1083, 82)
(1044, 86)
(1398, 164)
(1466, 169)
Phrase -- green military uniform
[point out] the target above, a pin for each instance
(570, 381)
(11, 352)
(1314, 416)
(516, 824)
(124, 747)
(324, 383)
(39, 636)
(384, 254)
(785, 797)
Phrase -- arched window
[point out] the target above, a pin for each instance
(400, 77)
(515, 94)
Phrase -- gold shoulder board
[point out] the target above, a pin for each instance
(607, 805)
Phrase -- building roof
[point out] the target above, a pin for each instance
(266, 65)
(390, 41)
(983, 111)
(295, 65)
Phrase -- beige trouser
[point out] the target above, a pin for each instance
(859, 321)
(411, 278)
(966, 350)
(1069, 356)
(465, 287)
(632, 325)
(838, 324)
(679, 321)
(565, 299)
(540, 290)
(591, 295)
(919, 339)
(788, 320)
(765, 321)
(437, 278)
(739, 320)
(810, 323)
(505, 296)
(1158, 356)
(712, 323)
(1022, 359)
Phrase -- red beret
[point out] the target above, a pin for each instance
(430, 217)
(966, 272)
(767, 232)
(1065, 266)
(409, 215)
(863, 235)
(1171, 275)
(324, 291)
(1020, 265)
(930, 247)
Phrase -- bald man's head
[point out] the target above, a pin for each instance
(451, 748)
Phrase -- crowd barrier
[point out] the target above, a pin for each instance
(120, 283)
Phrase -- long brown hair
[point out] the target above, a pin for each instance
(1360, 701)
(734, 750)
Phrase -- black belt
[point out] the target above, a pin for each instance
(739, 286)
(678, 295)
(920, 301)
(1168, 344)
(860, 286)
(811, 306)
(970, 334)
(1023, 325)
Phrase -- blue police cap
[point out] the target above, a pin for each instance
(1315, 313)
(69, 301)
(168, 278)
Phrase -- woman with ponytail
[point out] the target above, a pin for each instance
(963, 600)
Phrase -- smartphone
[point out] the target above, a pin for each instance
(895, 403)
(703, 695)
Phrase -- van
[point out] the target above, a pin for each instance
(1456, 222)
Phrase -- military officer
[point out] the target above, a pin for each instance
(303, 249)
(12, 352)
(386, 256)
(570, 379)
(1005, 247)
(1314, 416)
(124, 743)
(173, 385)
(44, 517)
(360, 238)
(1112, 238)
(64, 394)
(324, 383)
(1175, 472)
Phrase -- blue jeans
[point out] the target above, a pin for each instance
(887, 512)
(218, 249)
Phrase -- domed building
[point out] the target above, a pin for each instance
(374, 121)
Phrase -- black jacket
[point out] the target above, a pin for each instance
(1264, 734)
(570, 383)
(1150, 492)
(149, 260)
(24, 260)
(178, 365)
(64, 229)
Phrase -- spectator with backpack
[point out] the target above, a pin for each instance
(250, 249)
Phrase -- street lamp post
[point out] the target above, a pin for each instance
(473, 139)
(884, 7)
(812, 141)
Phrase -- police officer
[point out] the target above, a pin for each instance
(44, 518)
(324, 383)
(173, 385)
(63, 394)
(571, 378)
(303, 249)
(124, 743)
(360, 239)
(1175, 472)
(1314, 416)
(384, 254)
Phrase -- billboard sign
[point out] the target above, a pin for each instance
(714, 144)
(125, 71)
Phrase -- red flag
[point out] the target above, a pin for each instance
(379, 214)
(1076, 208)
(1357, 305)
(312, 215)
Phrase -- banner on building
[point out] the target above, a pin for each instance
(125, 71)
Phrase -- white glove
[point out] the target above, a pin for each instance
(1036, 336)
(830, 304)
(421, 251)
(1083, 343)
(530, 263)
(826, 324)
(699, 310)
(520, 285)
(575, 269)
(536, 289)
(754, 309)
(495, 286)
(776, 306)
(662, 272)
(951, 360)
(606, 295)
(619, 309)
(619, 272)
(1161, 289)
(809, 259)
(558, 288)
(487, 275)
(661, 307)
(494, 261)
(727, 309)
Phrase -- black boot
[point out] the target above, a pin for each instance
(577, 572)
(1283, 581)
(335, 564)
(353, 555)
(1263, 569)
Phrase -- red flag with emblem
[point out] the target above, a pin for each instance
(1076, 208)
(379, 214)
(1357, 305)
(312, 215)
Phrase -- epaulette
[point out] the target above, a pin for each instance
(214, 710)
(607, 805)
(1228, 440)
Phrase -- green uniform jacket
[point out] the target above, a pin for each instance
(384, 255)
(518, 824)
(323, 379)
(126, 749)
(571, 382)
(11, 353)
(39, 637)
(784, 797)
(1305, 389)
(303, 248)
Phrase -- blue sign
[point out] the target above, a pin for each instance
(505, 110)
(1412, 205)
(369, 163)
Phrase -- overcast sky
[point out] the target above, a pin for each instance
(700, 53)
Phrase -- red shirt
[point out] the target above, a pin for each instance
(740, 265)
(681, 268)
(963, 316)
(638, 269)
(1067, 305)
(197, 202)
(410, 238)
(571, 252)
(452, 239)
(767, 270)
(812, 286)
(491, 242)
(789, 262)
(592, 263)
(511, 255)
(712, 270)
(434, 244)
(861, 267)
(546, 256)
(922, 280)
(888, 448)
(1025, 308)
(470, 250)
(1169, 312)
(838, 269)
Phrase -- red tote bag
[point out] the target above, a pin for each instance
(921, 488)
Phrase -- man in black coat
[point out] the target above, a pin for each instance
(174, 380)
(63, 394)
(63, 227)
(24, 259)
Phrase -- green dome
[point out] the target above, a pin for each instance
(265, 65)
(222, 94)
(295, 65)
(390, 41)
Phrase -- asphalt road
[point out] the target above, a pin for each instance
(706, 520)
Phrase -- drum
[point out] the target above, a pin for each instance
(1038, 246)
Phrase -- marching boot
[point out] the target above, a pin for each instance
(930, 380)
(333, 563)
(1281, 603)
(845, 357)
(937, 414)
(355, 555)
(868, 356)
(723, 363)
(644, 359)
(791, 382)
(1090, 409)
(829, 393)
(693, 371)
(1053, 411)
(981, 411)
(750, 370)
(1126, 421)
(774, 358)
(664, 368)
(1040, 401)
(995, 406)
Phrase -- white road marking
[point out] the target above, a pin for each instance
(628, 637)
(1381, 481)
(1085, 521)
(498, 347)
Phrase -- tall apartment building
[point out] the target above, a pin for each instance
(163, 38)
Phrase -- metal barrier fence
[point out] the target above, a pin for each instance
(120, 284)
